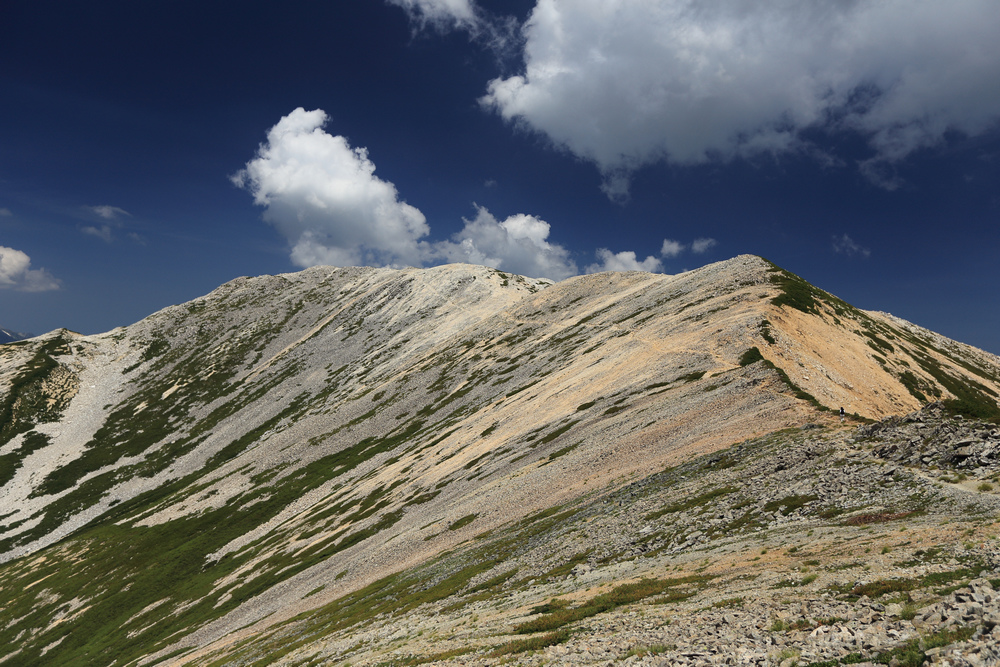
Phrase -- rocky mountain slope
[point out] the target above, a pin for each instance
(353, 464)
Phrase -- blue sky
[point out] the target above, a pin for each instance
(151, 151)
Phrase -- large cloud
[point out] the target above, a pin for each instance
(16, 273)
(625, 83)
(324, 197)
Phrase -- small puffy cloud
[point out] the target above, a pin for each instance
(845, 245)
(5, 213)
(623, 261)
(324, 197)
(518, 244)
(671, 248)
(16, 273)
(440, 14)
(623, 84)
(701, 245)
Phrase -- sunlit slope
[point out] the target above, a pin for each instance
(287, 439)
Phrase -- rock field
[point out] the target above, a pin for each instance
(806, 547)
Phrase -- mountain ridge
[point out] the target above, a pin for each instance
(9, 336)
(346, 423)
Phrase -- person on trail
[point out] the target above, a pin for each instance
(841, 414)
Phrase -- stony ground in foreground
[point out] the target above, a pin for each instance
(822, 545)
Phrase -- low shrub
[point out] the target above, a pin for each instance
(531, 643)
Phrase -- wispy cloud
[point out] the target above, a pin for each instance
(441, 14)
(5, 213)
(112, 219)
(103, 232)
(16, 273)
(845, 245)
(109, 212)
(500, 34)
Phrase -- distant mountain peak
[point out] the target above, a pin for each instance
(8, 336)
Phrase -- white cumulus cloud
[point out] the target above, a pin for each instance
(324, 197)
(518, 244)
(16, 273)
(623, 261)
(624, 84)
(671, 248)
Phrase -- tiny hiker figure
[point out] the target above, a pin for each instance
(841, 414)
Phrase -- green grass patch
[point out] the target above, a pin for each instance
(435, 657)
(549, 437)
(464, 521)
(25, 403)
(564, 451)
(692, 502)
(531, 643)
(877, 517)
(565, 568)
(765, 332)
(751, 356)
(555, 604)
(789, 504)
(618, 596)
(912, 653)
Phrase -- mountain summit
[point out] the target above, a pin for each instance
(174, 490)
